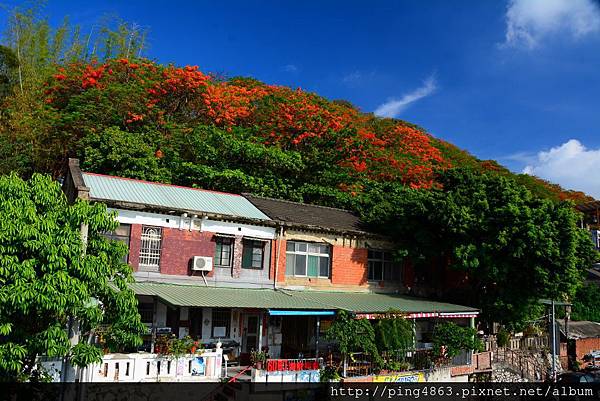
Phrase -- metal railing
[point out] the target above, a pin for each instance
(362, 364)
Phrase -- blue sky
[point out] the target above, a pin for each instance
(512, 80)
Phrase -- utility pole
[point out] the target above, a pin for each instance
(553, 343)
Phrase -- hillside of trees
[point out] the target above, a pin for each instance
(94, 97)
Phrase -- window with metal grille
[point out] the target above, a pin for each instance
(223, 251)
(150, 249)
(221, 322)
(304, 259)
(122, 234)
(383, 267)
(253, 254)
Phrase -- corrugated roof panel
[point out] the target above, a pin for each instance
(170, 196)
(199, 296)
(373, 302)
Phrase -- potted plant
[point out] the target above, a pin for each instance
(176, 347)
(162, 345)
(258, 358)
(329, 374)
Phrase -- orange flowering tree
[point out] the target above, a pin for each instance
(175, 112)
(161, 105)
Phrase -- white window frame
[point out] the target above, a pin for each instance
(230, 243)
(150, 248)
(308, 253)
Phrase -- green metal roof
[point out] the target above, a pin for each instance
(202, 296)
(375, 302)
(109, 188)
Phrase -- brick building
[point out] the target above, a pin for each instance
(583, 342)
(253, 272)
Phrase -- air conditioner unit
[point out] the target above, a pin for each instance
(202, 263)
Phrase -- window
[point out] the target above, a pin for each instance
(146, 310)
(223, 251)
(221, 321)
(150, 249)
(305, 259)
(383, 267)
(253, 254)
(122, 233)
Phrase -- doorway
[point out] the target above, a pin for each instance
(195, 319)
(251, 333)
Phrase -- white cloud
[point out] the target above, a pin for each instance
(528, 21)
(290, 68)
(393, 107)
(353, 77)
(520, 157)
(571, 165)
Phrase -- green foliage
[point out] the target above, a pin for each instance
(8, 71)
(329, 373)
(118, 152)
(515, 248)
(394, 334)
(353, 335)
(49, 278)
(174, 347)
(586, 305)
(449, 339)
(258, 356)
(503, 337)
(396, 366)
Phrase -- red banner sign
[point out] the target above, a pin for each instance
(286, 365)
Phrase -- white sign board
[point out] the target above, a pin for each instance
(219, 332)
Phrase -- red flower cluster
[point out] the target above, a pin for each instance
(227, 105)
(91, 76)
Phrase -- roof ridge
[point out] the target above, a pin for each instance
(246, 194)
(158, 183)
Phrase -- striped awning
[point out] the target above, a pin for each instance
(419, 315)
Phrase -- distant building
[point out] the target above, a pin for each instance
(583, 341)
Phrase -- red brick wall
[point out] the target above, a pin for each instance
(585, 346)
(281, 268)
(349, 265)
(135, 241)
(178, 247)
(461, 370)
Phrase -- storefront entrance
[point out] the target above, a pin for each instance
(298, 334)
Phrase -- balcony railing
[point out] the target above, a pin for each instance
(144, 367)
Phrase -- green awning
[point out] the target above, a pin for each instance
(362, 302)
